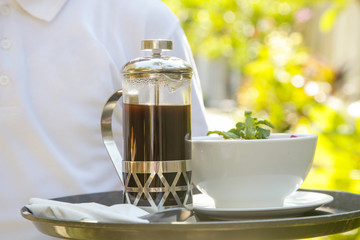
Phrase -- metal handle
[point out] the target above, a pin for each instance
(107, 134)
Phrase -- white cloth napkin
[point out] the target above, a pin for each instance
(88, 212)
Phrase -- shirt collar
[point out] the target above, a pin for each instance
(42, 9)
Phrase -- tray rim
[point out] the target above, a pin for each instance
(26, 214)
(352, 216)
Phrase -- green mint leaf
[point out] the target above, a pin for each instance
(242, 134)
(240, 126)
(249, 129)
(229, 135)
(235, 131)
(214, 132)
(226, 135)
(248, 113)
(262, 133)
(265, 122)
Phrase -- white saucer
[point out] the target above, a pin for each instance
(296, 204)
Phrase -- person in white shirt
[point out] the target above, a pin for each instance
(59, 62)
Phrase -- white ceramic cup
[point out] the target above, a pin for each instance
(251, 173)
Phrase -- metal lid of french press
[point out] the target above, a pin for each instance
(157, 63)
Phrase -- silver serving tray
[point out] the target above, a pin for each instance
(341, 215)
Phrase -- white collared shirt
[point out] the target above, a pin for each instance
(59, 62)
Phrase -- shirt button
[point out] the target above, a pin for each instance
(5, 43)
(5, 10)
(4, 80)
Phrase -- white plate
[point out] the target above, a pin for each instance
(296, 204)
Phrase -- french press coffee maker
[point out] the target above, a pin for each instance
(156, 129)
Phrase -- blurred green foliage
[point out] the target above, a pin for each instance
(281, 80)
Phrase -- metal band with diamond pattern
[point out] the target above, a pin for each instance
(131, 169)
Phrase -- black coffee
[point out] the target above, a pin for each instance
(156, 133)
